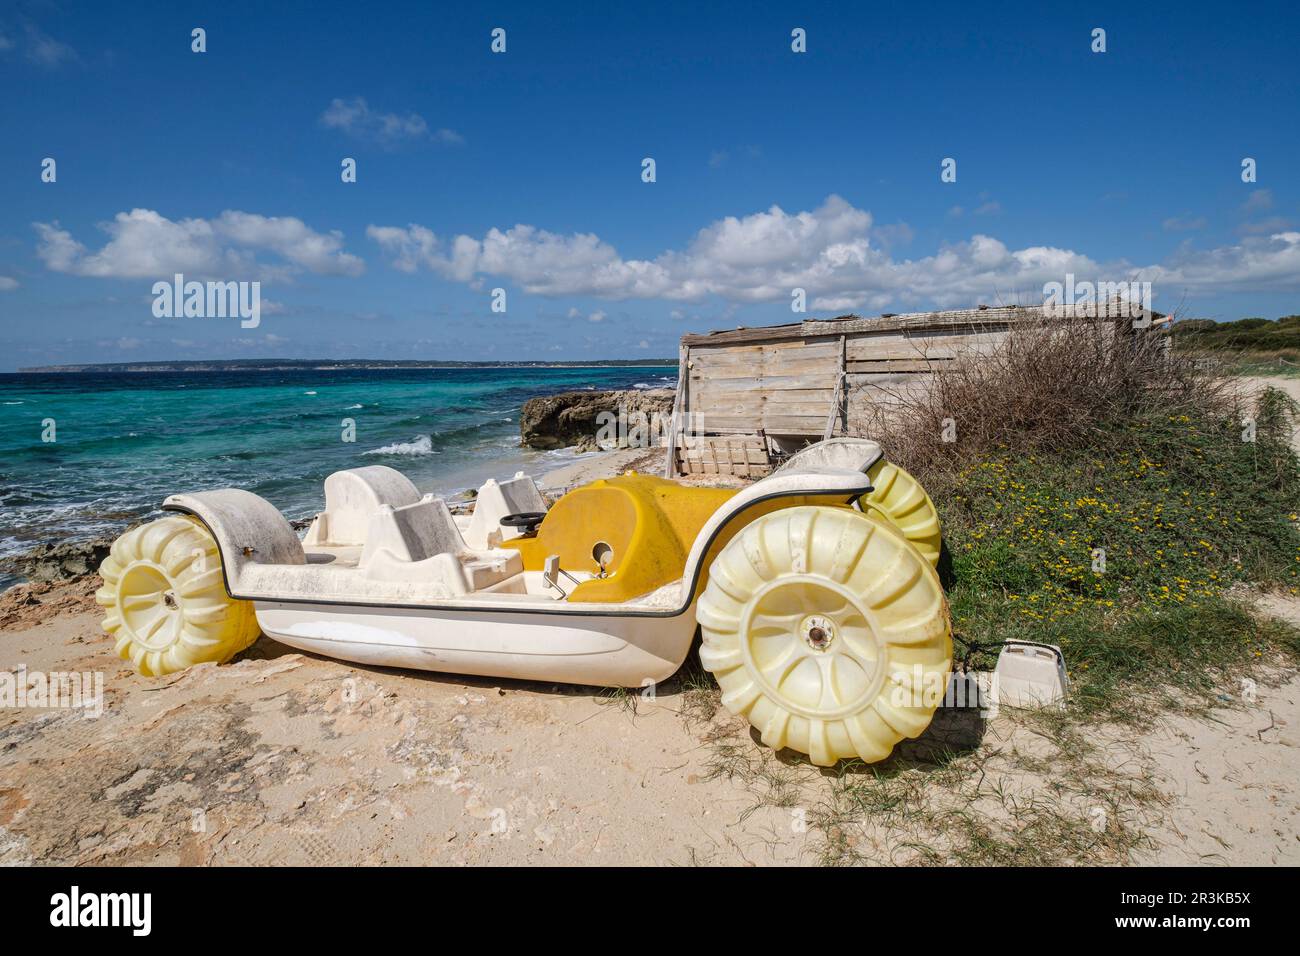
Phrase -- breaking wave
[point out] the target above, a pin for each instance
(421, 445)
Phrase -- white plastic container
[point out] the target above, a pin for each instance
(1030, 675)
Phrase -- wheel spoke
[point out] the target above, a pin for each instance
(860, 650)
(784, 602)
(770, 624)
(835, 606)
(780, 668)
(829, 698)
(153, 627)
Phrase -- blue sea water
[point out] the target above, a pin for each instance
(124, 441)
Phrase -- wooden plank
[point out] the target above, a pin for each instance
(741, 459)
(858, 380)
(727, 425)
(773, 424)
(762, 383)
(963, 318)
(739, 455)
(679, 406)
(813, 397)
(757, 418)
(807, 425)
(914, 346)
(761, 334)
(896, 354)
(896, 365)
(765, 355)
(762, 393)
(945, 337)
(837, 397)
(719, 346)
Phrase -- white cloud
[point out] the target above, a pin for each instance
(895, 234)
(48, 52)
(357, 119)
(38, 47)
(1184, 224)
(145, 244)
(1259, 200)
(1267, 226)
(597, 316)
(1256, 263)
(8, 284)
(834, 252)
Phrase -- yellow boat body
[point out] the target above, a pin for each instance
(651, 523)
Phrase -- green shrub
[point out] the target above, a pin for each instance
(1156, 472)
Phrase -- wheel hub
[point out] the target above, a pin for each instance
(818, 632)
(148, 606)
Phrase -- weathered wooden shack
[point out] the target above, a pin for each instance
(748, 397)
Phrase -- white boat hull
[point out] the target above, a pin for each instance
(610, 650)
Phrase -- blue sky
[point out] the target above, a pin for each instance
(522, 170)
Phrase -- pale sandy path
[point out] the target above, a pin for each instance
(1291, 386)
(1234, 777)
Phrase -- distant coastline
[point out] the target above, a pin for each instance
(282, 365)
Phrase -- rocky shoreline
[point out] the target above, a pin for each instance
(576, 419)
(52, 563)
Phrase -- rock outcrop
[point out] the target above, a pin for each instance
(59, 562)
(577, 418)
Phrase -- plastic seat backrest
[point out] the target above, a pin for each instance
(413, 532)
(354, 495)
(495, 500)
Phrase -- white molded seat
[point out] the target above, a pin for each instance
(352, 497)
(413, 532)
(494, 501)
(420, 541)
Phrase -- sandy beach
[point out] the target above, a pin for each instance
(285, 758)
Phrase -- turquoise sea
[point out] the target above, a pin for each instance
(124, 441)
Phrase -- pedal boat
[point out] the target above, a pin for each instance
(814, 589)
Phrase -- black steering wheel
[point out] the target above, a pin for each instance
(528, 520)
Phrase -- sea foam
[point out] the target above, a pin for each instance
(421, 445)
